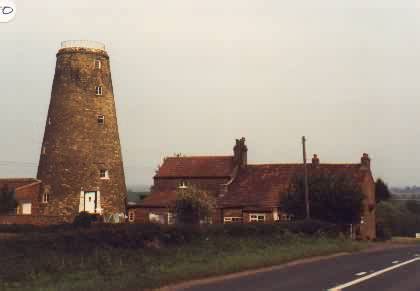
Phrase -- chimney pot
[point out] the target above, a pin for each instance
(315, 160)
(365, 161)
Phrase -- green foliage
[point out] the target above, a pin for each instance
(8, 202)
(413, 206)
(382, 192)
(110, 257)
(333, 197)
(396, 219)
(193, 205)
(84, 219)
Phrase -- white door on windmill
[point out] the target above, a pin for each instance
(90, 202)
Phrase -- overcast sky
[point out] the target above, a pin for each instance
(190, 76)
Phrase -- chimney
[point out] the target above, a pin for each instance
(365, 161)
(240, 153)
(315, 160)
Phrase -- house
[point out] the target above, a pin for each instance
(245, 192)
(30, 202)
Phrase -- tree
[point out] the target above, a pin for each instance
(7, 200)
(193, 205)
(333, 197)
(413, 206)
(382, 192)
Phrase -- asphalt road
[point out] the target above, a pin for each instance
(385, 270)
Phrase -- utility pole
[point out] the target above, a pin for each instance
(308, 214)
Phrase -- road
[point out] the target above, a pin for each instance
(392, 269)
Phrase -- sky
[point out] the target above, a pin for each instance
(191, 76)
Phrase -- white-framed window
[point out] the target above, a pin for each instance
(44, 150)
(257, 217)
(131, 215)
(286, 217)
(26, 208)
(98, 64)
(183, 185)
(103, 174)
(101, 119)
(98, 90)
(171, 218)
(232, 219)
(157, 218)
(45, 197)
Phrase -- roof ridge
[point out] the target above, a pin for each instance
(301, 164)
(200, 156)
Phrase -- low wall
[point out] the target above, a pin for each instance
(30, 219)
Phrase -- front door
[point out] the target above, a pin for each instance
(90, 202)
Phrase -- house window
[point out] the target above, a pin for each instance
(232, 219)
(98, 90)
(157, 218)
(257, 217)
(171, 218)
(98, 64)
(183, 185)
(44, 150)
(103, 174)
(101, 119)
(45, 197)
(26, 208)
(286, 217)
(131, 216)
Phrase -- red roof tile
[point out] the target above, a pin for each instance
(198, 166)
(263, 185)
(13, 183)
(159, 199)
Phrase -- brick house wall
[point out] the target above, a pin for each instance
(141, 214)
(368, 227)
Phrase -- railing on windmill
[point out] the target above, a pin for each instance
(83, 44)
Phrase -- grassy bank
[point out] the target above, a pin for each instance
(42, 264)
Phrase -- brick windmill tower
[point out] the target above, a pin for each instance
(81, 164)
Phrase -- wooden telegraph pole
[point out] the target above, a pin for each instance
(308, 214)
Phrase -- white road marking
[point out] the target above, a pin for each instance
(360, 274)
(357, 281)
(395, 262)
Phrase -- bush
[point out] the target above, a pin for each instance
(84, 219)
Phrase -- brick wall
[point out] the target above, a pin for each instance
(141, 214)
(75, 146)
(368, 228)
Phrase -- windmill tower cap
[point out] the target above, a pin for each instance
(90, 44)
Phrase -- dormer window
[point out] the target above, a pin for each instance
(98, 64)
(98, 90)
(101, 119)
(104, 174)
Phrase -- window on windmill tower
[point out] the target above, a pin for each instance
(98, 90)
(98, 64)
(101, 119)
(104, 174)
(45, 197)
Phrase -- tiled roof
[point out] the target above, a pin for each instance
(196, 166)
(158, 199)
(13, 183)
(262, 186)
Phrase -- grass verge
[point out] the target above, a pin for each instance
(138, 269)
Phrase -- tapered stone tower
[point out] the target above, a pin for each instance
(81, 164)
